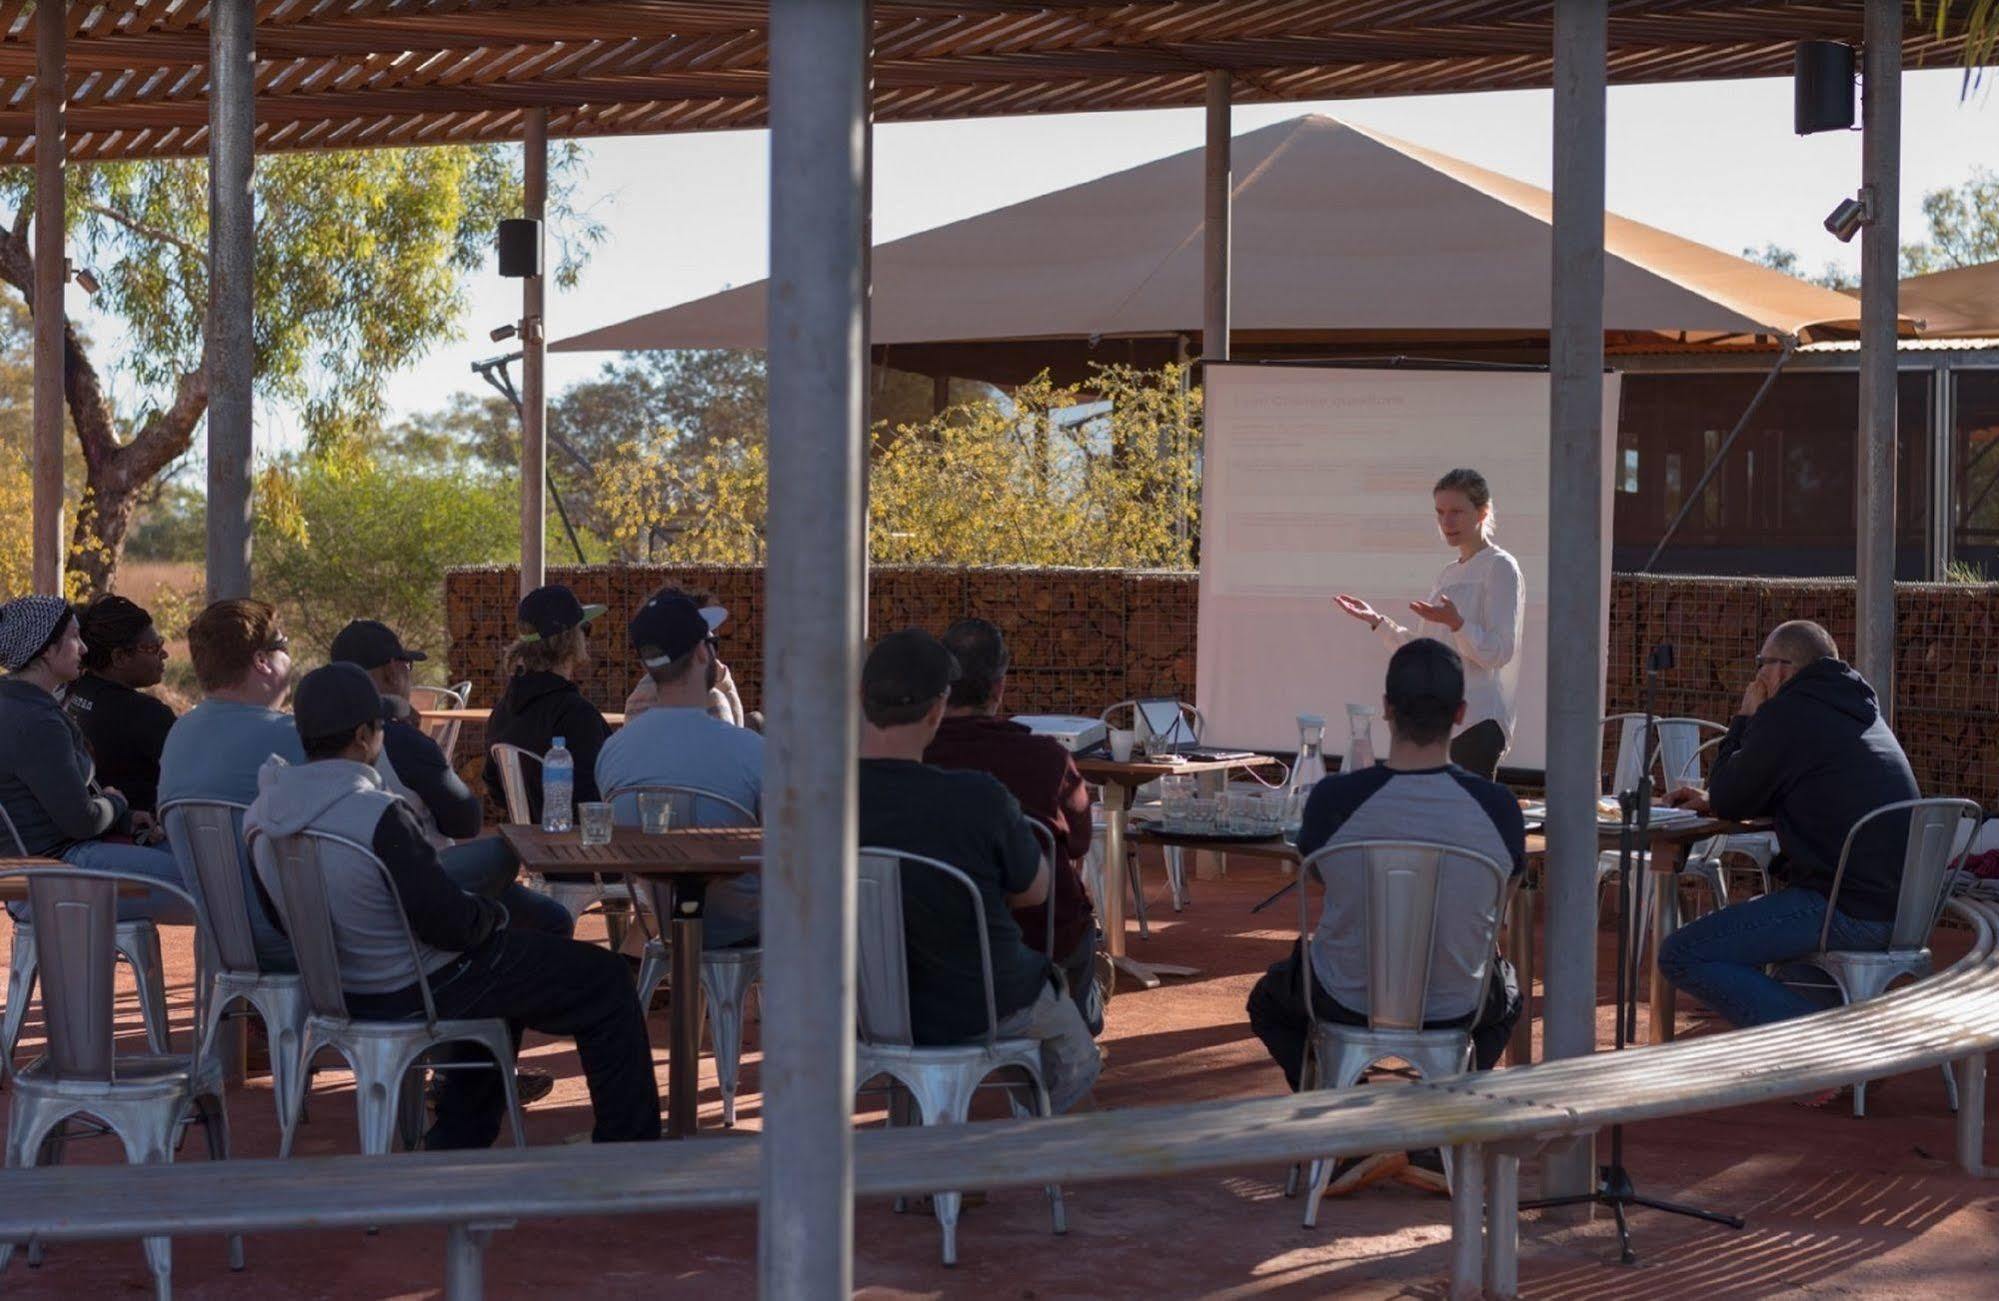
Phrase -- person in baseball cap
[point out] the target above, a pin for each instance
(904, 676)
(542, 700)
(532, 979)
(724, 702)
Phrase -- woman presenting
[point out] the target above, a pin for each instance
(1476, 607)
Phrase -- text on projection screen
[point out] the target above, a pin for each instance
(1318, 481)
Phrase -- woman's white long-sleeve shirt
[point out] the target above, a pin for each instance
(1491, 599)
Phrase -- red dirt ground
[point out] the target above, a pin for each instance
(1836, 1206)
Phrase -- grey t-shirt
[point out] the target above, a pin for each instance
(1447, 806)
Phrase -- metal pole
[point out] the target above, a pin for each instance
(878, 379)
(1215, 242)
(1575, 554)
(51, 274)
(534, 359)
(818, 74)
(232, 307)
(1880, 249)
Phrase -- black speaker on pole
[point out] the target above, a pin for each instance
(1822, 79)
(520, 247)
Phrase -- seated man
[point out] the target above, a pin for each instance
(48, 781)
(1809, 748)
(483, 865)
(723, 702)
(677, 742)
(968, 820)
(1042, 776)
(477, 966)
(1417, 794)
(123, 654)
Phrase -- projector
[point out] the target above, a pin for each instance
(1073, 730)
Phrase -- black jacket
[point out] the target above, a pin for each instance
(420, 765)
(126, 729)
(537, 708)
(1818, 757)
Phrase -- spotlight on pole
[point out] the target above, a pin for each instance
(501, 334)
(1846, 220)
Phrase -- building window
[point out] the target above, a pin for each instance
(1975, 470)
(1628, 482)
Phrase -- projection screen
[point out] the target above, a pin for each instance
(1317, 481)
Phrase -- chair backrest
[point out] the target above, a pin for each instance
(690, 806)
(1932, 856)
(76, 919)
(444, 731)
(513, 780)
(1674, 756)
(440, 697)
(1125, 712)
(207, 839)
(309, 918)
(13, 836)
(1402, 880)
(882, 994)
(1051, 863)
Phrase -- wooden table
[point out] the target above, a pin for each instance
(687, 860)
(14, 889)
(482, 716)
(1120, 783)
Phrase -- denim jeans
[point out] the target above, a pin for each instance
(110, 856)
(556, 986)
(1720, 958)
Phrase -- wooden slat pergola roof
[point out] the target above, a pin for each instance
(335, 74)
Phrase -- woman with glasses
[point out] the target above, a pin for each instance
(123, 655)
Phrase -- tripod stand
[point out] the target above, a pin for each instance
(1614, 1186)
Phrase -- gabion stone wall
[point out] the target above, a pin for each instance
(1086, 638)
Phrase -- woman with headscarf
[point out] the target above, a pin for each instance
(48, 780)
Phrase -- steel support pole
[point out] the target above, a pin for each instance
(534, 363)
(1575, 554)
(232, 274)
(812, 636)
(1215, 228)
(1880, 250)
(51, 274)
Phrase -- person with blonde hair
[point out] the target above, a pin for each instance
(542, 701)
(1477, 609)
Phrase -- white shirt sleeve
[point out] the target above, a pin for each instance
(1490, 637)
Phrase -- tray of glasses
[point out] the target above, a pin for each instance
(1167, 829)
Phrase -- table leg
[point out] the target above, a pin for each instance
(683, 1064)
(1665, 920)
(1117, 813)
(1520, 951)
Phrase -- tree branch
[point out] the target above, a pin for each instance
(138, 227)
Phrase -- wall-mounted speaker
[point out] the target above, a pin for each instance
(520, 247)
(1822, 80)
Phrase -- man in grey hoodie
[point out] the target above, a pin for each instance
(476, 966)
(48, 781)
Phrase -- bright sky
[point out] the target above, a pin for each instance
(1716, 162)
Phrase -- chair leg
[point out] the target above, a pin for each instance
(653, 966)
(281, 1033)
(1176, 876)
(1058, 1215)
(291, 1108)
(1137, 894)
(215, 1127)
(725, 993)
(1860, 1099)
(21, 970)
(142, 950)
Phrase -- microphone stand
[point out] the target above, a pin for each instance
(1615, 1188)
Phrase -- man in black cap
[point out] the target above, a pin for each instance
(476, 965)
(482, 865)
(1416, 794)
(969, 820)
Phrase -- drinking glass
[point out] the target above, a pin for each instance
(595, 821)
(1176, 793)
(1122, 739)
(655, 812)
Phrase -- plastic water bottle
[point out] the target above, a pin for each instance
(1306, 772)
(558, 787)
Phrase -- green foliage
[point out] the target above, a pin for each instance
(1779, 258)
(1963, 226)
(1976, 20)
(345, 536)
(172, 526)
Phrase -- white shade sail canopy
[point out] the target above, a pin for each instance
(1337, 229)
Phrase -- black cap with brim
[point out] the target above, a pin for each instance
(336, 698)
(548, 612)
(907, 668)
(371, 645)
(670, 626)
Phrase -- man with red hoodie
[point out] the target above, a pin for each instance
(1042, 776)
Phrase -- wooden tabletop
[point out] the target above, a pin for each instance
(1138, 771)
(707, 851)
(484, 715)
(14, 889)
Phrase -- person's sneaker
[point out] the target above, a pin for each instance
(1353, 1173)
(1425, 1170)
(532, 1086)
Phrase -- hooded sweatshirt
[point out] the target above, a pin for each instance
(1818, 757)
(46, 774)
(347, 799)
(537, 708)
